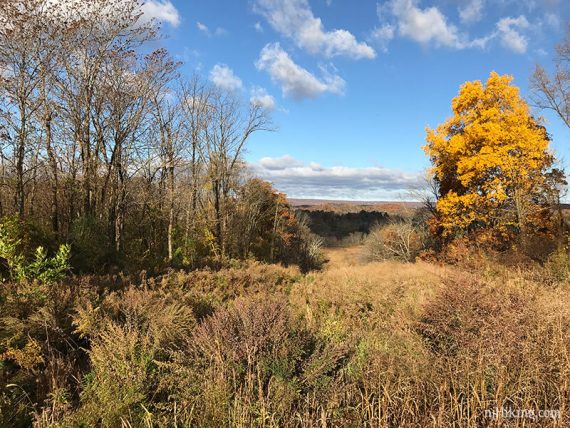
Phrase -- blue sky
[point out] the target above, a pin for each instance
(353, 84)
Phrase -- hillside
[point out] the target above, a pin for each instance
(390, 207)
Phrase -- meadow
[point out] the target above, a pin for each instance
(379, 344)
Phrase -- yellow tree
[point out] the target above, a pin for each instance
(493, 164)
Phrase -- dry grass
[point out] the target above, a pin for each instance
(375, 345)
(344, 256)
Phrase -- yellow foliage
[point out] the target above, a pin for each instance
(490, 159)
(29, 357)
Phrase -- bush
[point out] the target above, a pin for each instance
(40, 267)
(132, 333)
(41, 357)
(240, 366)
(558, 266)
(387, 344)
(402, 241)
(308, 250)
(497, 345)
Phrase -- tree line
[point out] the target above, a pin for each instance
(105, 145)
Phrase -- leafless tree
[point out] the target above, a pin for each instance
(226, 135)
(101, 141)
(552, 92)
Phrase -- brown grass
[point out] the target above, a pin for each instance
(380, 345)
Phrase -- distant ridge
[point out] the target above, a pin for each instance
(389, 207)
(297, 202)
(344, 206)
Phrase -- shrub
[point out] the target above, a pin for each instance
(91, 248)
(240, 363)
(377, 345)
(308, 250)
(47, 269)
(10, 248)
(40, 354)
(558, 266)
(132, 333)
(496, 343)
(466, 316)
(41, 267)
(396, 241)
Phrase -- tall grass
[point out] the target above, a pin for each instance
(378, 345)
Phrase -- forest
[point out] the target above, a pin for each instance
(150, 279)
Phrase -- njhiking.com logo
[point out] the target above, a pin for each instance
(530, 414)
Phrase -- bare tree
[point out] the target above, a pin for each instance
(98, 31)
(195, 104)
(226, 135)
(110, 147)
(427, 193)
(552, 92)
(22, 44)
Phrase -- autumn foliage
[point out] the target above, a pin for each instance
(493, 165)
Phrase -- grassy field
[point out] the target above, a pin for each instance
(381, 344)
(471, 342)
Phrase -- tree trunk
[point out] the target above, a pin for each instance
(218, 216)
(170, 208)
(20, 157)
(52, 161)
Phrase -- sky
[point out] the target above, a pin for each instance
(352, 84)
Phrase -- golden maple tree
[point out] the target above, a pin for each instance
(492, 163)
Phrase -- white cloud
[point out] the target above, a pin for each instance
(302, 180)
(429, 26)
(202, 27)
(509, 31)
(224, 78)
(425, 26)
(295, 81)
(382, 36)
(206, 30)
(295, 19)
(259, 97)
(162, 11)
(471, 12)
(279, 164)
(258, 27)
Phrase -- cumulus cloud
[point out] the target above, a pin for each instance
(260, 98)
(162, 11)
(471, 12)
(425, 26)
(552, 20)
(295, 19)
(295, 81)
(224, 78)
(301, 180)
(430, 27)
(509, 31)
